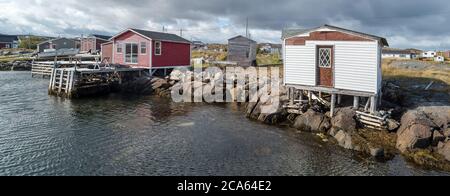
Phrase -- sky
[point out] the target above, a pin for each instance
(406, 24)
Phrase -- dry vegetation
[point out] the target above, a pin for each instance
(441, 72)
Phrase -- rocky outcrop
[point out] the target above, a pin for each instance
(344, 119)
(444, 149)
(415, 132)
(312, 121)
(16, 66)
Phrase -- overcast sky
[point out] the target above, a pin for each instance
(421, 24)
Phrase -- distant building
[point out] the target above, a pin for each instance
(400, 53)
(439, 59)
(9, 41)
(447, 54)
(93, 43)
(428, 54)
(199, 45)
(269, 48)
(57, 44)
(242, 50)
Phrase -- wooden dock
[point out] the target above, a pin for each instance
(78, 82)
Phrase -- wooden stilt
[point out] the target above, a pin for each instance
(355, 102)
(300, 97)
(333, 104)
(339, 99)
(367, 104)
(373, 104)
(309, 97)
(291, 96)
(320, 94)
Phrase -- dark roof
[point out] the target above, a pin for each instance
(292, 32)
(161, 36)
(8, 38)
(105, 37)
(242, 37)
(395, 51)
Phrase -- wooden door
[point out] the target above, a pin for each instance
(325, 66)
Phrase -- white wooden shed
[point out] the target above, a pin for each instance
(334, 60)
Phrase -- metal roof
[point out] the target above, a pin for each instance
(240, 36)
(8, 38)
(104, 37)
(161, 36)
(293, 32)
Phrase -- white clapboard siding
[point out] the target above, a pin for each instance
(300, 62)
(356, 65)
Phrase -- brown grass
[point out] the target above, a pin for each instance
(431, 73)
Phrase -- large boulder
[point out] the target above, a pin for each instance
(312, 121)
(415, 132)
(344, 139)
(444, 150)
(344, 119)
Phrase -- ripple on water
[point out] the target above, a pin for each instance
(126, 135)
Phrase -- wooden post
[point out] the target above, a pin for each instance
(373, 104)
(67, 82)
(51, 80)
(320, 94)
(300, 97)
(61, 80)
(333, 104)
(72, 73)
(309, 97)
(291, 96)
(339, 99)
(367, 104)
(355, 102)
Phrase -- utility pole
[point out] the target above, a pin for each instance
(181, 32)
(164, 28)
(246, 29)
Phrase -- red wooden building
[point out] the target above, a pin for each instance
(148, 49)
(93, 43)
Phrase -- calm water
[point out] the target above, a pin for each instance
(126, 135)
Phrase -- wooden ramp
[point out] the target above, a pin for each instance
(41, 69)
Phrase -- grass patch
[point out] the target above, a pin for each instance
(432, 72)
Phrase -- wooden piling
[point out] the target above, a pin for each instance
(333, 104)
(355, 102)
(339, 99)
(373, 104)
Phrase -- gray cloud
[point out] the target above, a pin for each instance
(413, 23)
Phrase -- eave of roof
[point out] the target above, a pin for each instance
(294, 32)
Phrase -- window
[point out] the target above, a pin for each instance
(7, 46)
(131, 53)
(158, 48)
(119, 47)
(325, 57)
(143, 47)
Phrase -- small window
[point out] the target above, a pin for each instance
(143, 47)
(131, 53)
(119, 48)
(325, 57)
(158, 48)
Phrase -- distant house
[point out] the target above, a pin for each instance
(398, 53)
(439, 59)
(429, 54)
(9, 41)
(242, 50)
(93, 43)
(148, 49)
(447, 54)
(57, 44)
(270, 48)
(199, 45)
(334, 60)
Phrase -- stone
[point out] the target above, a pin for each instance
(333, 131)
(376, 152)
(444, 150)
(312, 121)
(344, 119)
(415, 132)
(437, 137)
(447, 132)
(344, 140)
(392, 125)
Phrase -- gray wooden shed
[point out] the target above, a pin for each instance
(58, 43)
(242, 50)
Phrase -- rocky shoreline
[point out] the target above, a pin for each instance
(423, 137)
(15, 66)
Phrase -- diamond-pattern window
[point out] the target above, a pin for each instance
(325, 57)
